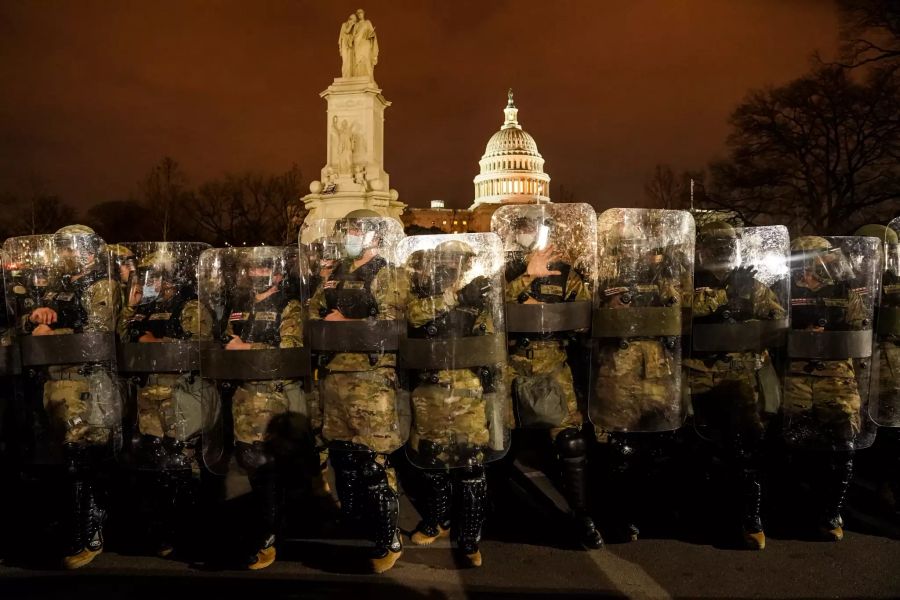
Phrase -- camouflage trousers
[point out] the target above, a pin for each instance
(636, 387)
(450, 414)
(821, 408)
(888, 406)
(169, 406)
(726, 396)
(84, 408)
(256, 404)
(361, 407)
(543, 388)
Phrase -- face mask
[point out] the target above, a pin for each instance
(148, 292)
(261, 283)
(526, 240)
(353, 245)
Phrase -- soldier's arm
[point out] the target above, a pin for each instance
(765, 303)
(101, 304)
(422, 310)
(576, 288)
(291, 329)
(387, 294)
(707, 301)
(122, 325)
(317, 303)
(518, 285)
(856, 307)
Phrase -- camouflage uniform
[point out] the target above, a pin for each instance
(81, 402)
(166, 445)
(358, 390)
(822, 399)
(725, 386)
(450, 418)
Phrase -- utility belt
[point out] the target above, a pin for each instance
(668, 342)
(547, 317)
(731, 363)
(267, 363)
(529, 347)
(747, 336)
(484, 374)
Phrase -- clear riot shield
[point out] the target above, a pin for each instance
(641, 311)
(356, 311)
(885, 405)
(65, 307)
(550, 254)
(739, 328)
(834, 283)
(453, 349)
(159, 359)
(254, 360)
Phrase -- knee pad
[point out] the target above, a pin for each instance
(252, 457)
(570, 444)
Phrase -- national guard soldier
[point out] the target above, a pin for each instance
(884, 407)
(254, 365)
(739, 313)
(68, 347)
(354, 316)
(645, 259)
(550, 263)
(454, 350)
(123, 265)
(833, 285)
(159, 351)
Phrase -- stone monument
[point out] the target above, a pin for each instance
(353, 176)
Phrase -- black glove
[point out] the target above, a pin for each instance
(741, 282)
(473, 293)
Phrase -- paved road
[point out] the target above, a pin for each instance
(520, 561)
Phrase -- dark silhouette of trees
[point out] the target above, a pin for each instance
(122, 221)
(819, 154)
(870, 33)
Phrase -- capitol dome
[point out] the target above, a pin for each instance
(512, 169)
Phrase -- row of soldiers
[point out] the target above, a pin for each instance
(361, 342)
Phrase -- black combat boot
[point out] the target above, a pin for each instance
(267, 500)
(472, 510)
(838, 474)
(435, 522)
(572, 452)
(385, 511)
(622, 483)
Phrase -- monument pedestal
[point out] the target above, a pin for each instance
(353, 176)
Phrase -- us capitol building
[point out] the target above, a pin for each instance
(512, 169)
(512, 172)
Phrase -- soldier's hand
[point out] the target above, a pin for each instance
(473, 293)
(149, 337)
(135, 295)
(42, 330)
(539, 262)
(335, 315)
(43, 316)
(236, 343)
(742, 280)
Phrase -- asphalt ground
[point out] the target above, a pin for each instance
(686, 549)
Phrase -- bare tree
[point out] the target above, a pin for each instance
(163, 190)
(870, 32)
(819, 154)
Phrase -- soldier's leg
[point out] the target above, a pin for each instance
(344, 458)
(746, 457)
(437, 496)
(835, 483)
(472, 513)
(571, 449)
(623, 456)
(384, 506)
(267, 492)
(86, 518)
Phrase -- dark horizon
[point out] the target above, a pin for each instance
(98, 92)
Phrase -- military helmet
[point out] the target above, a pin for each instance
(810, 243)
(882, 232)
(119, 251)
(75, 229)
(454, 247)
(719, 230)
(531, 217)
(161, 259)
